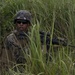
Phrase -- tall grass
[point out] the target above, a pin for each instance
(54, 16)
(61, 63)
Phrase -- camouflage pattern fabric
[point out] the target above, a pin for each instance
(16, 46)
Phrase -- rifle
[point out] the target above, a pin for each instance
(55, 40)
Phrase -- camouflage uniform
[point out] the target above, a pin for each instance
(16, 46)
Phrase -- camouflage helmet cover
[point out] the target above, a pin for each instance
(23, 14)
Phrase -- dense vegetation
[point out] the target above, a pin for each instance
(54, 16)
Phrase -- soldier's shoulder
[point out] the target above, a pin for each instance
(11, 35)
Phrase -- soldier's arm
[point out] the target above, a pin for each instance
(8, 53)
(55, 41)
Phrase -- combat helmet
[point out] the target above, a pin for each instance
(23, 14)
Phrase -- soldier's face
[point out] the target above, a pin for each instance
(22, 25)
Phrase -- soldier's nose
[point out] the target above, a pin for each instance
(21, 23)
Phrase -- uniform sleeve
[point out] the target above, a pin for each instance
(45, 38)
(7, 55)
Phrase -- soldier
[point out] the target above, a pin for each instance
(17, 42)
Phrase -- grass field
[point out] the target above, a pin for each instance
(54, 16)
